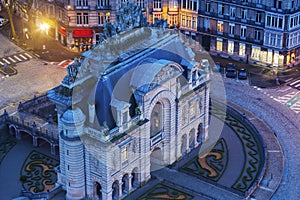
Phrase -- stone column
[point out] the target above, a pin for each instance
(120, 189)
(129, 183)
(107, 195)
(34, 141)
(18, 136)
(53, 149)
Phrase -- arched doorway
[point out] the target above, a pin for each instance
(125, 184)
(135, 178)
(115, 192)
(156, 124)
(199, 133)
(156, 159)
(98, 192)
(183, 144)
(192, 139)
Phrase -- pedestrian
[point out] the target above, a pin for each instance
(244, 116)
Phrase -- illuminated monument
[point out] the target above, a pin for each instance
(136, 102)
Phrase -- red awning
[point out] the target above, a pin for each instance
(83, 33)
(63, 32)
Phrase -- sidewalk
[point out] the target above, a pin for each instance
(40, 44)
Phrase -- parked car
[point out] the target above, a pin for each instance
(3, 21)
(217, 67)
(230, 71)
(242, 74)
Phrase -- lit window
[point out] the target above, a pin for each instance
(220, 26)
(230, 47)
(242, 50)
(124, 154)
(219, 44)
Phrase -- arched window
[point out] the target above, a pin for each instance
(156, 119)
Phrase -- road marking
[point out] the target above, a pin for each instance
(265, 188)
(273, 151)
(28, 55)
(288, 80)
(297, 85)
(11, 59)
(23, 57)
(292, 101)
(295, 82)
(5, 60)
(16, 57)
(1, 63)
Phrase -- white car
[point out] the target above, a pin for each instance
(3, 21)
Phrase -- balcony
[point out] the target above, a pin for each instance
(82, 7)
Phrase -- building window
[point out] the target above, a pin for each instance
(184, 115)
(101, 18)
(188, 21)
(274, 21)
(232, 11)
(243, 31)
(255, 53)
(220, 26)
(81, 2)
(230, 46)
(192, 112)
(194, 22)
(79, 18)
(231, 29)
(244, 13)
(220, 9)
(190, 5)
(85, 18)
(219, 44)
(157, 4)
(242, 50)
(257, 34)
(172, 19)
(206, 23)
(207, 7)
(183, 22)
(102, 3)
(278, 4)
(141, 3)
(156, 120)
(124, 154)
(258, 17)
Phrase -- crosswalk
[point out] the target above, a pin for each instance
(20, 57)
(295, 84)
(291, 100)
(65, 63)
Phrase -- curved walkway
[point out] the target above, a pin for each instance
(285, 125)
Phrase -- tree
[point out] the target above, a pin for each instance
(9, 5)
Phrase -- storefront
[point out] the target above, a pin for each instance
(83, 39)
(62, 35)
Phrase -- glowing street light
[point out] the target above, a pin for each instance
(44, 27)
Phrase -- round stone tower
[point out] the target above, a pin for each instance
(73, 152)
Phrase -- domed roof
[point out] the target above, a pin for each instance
(73, 116)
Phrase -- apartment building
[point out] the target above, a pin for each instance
(251, 30)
